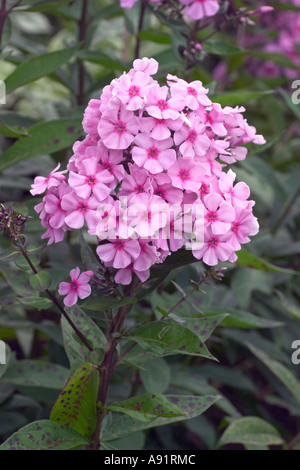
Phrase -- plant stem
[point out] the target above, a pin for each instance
(82, 39)
(106, 370)
(56, 302)
(140, 27)
(3, 14)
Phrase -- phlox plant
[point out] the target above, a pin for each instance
(150, 184)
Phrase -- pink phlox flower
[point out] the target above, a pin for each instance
(197, 9)
(218, 214)
(215, 248)
(194, 94)
(91, 117)
(80, 210)
(52, 205)
(120, 253)
(147, 214)
(192, 139)
(149, 66)
(124, 276)
(54, 235)
(117, 128)
(213, 118)
(133, 90)
(186, 174)
(237, 194)
(160, 129)
(160, 106)
(135, 182)
(91, 179)
(79, 287)
(147, 257)
(167, 192)
(55, 178)
(153, 155)
(214, 168)
(243, 226)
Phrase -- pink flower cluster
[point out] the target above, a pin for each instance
(150, 148)
(194, 9)
(281, 36)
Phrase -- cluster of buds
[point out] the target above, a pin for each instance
(11, 223)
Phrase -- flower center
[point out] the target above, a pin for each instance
(162, 104)
(212, 216)
(192, 91)
(139, 189)
(192, 136)
(120, 127)
(153, 152)
(184, 174)
(134, 91)
(83, 207)
(91, 180)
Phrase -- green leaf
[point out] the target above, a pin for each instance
(240, 318)
(36, 374)
(189, 381)
(156, 376)
(8, 255)
(166, 338)
(41, 303)
(47, 5)
(234, 98)
(36, 248)
(221, 48)
(119, 426)
(40, 281)
(251, 431)
(43, 138)
(248, 260)
(155, 36)
(12, 131)
(147, 407)
(22, 263)
(37, 67)
(203, 326)
(280, 371)
(98, 57)
(76, 404)
(44, 435)
(76, 351)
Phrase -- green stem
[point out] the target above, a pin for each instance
(106, 370)
(82, 39)
(140, 27)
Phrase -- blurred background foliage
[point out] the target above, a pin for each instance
(54, 59)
